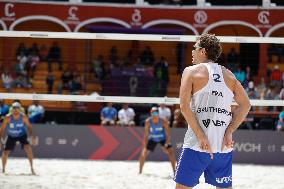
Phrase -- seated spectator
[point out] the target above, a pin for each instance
(272, 94)
(65, 82)
(54, 55)
(251, 91)
(20, 66)
(108, 115)
(35, 112)
(33, 60)
(76, 86)
(161, 69)
(21, 49)
(276, 76)
(162, 75)
(126, 116)
(98, 67)
(165, 112)
(22, 109)
(179, 121)
(34, 49)
(22, 81)
(7, 80)
(261, 89)
(113, 57)
(240, 75)
(49, 82)
(43, 53)
(248, 76)
(280, 123)
(4, 109)
(147, 56)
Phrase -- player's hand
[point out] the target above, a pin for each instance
(205, 145)
(33, 140)
(2, 144)
(228, 140)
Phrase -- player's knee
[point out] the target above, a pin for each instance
(26, 147)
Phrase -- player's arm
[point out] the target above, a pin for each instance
(146, 132)
(29, 125)
(185, 94)
(242, 109)
(167, 131)
(3, 126)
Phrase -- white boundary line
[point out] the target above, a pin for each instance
(116, 99)
(141, 37)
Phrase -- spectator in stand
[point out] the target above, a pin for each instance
(248, 76)
(280, 123)
(54, 55)
(165, 113)
(35, 112)
(276, 76)
(76, 86)
(233, 59)
(20, 66)
(108, 115)
(179, 121)
(240, 75)
(98, 67)
(126, 116)
(4, 109)
(65, 82)
(7, 80)
(22, 81)
(43, 53)
(147, 57)
(34, 49)
(21, 49)
(162, 75)
(49, 82)
(33, 60)
(252, 92)
(161, 69)
(272, 94)
(261, 89)
(129, 59)
(113, 57)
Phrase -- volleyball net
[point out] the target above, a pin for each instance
(126, 68)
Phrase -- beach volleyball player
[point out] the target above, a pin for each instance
(18, 126)
(156, 132)
(206, 94)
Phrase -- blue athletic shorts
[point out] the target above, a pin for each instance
(191, 165)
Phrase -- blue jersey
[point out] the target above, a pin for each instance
(16, 128)
(157, 131)
(109, 113)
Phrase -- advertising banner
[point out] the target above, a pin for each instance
(125, 143)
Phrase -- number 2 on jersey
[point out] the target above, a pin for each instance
(216, 77)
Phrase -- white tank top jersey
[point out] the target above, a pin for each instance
(212, 108)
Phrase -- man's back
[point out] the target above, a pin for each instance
(212, 96)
